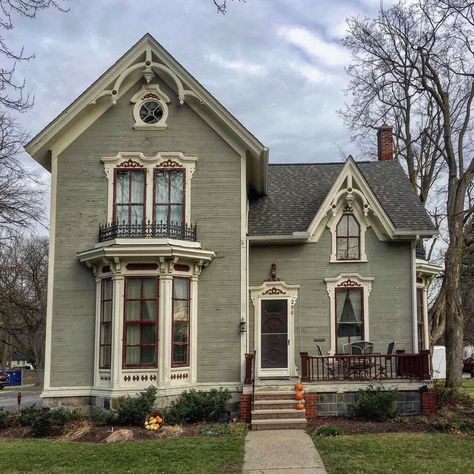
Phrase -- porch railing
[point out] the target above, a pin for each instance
(365, 367)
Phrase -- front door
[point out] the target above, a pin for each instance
(274, 338)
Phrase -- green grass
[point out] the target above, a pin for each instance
(399, 453)
(196, 454)
(468, 385)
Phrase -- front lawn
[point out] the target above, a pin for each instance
(468, 385)
(197, 454)
(399, 453)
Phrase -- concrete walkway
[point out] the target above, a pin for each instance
(281, 451)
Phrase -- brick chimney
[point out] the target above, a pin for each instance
(385, 143)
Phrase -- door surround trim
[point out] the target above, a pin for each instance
(275, 290)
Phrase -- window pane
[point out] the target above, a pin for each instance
(161, 214)
(176, 214)
(136, 214)
(181, 310)
(148, 334)
(133, 310)
(341, 248)
(148, 355)
(181, 288)
(349, 306)
(353, 226)
(149, 288)
(121, 215)
(105, 333)
(180, 355)
(106, 311)
(180, 332)
(161, 187)
(137, 186)
(176, 178)
(133, 334)
(132, 356)
(134, 288)
(149, 310)
(104, 357)
(353, 250)
(342, 226)
(122, 187)
(107, 285)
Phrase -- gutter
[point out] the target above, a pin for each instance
(297, 237)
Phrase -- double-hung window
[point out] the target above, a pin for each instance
(129, 202)
(105, 334)
(180, 323)
(348, 238)
(169, 197)
(349, 317)
(141, 322)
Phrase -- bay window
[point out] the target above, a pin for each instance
(129, 198)
(140, 322)
(180, 323)
(349, 317)
(169, 196)
(105, 335)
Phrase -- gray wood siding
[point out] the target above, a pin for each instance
(308, 264)
(82, 205)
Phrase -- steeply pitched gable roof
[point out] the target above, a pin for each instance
(295, 193)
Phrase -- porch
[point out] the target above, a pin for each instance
(355, 368)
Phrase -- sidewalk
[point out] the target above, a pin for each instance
(281, 451)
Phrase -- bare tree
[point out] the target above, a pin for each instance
(221, 5)
(20, 190)
(417, 62)
(23, 290)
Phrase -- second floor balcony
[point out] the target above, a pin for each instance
(148, 230)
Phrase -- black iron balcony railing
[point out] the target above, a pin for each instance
(149, 230)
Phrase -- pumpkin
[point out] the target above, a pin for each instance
(299, 396)
(299, 387)
(299, 406)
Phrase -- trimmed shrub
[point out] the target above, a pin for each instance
(328, 430)
(42, 424)
(133, 410)
(193, 406)
(105, 417)
(374, 404)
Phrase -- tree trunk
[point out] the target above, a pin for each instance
(454, 311)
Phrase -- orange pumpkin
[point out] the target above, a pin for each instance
(299, 387)
(299, 396)
(299, 406)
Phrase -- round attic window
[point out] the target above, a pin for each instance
(151, 112)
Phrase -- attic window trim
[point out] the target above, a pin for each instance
(363, 224)
(150, 93)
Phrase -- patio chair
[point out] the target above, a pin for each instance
(330, 367)
(386, 361)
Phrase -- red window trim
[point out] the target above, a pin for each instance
(362, 331)
(105, 323)
(114, 209)
(141, 321)
(183, 205)
(347, 237)
(188, 344)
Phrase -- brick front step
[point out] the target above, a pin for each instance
(278, 424)
(274, 404)
(277, 414)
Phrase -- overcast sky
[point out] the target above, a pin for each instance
(277, 65)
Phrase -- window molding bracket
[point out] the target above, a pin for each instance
(344, 281)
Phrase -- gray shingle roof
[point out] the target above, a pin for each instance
(295, 193)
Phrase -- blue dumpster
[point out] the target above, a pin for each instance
(15, 377)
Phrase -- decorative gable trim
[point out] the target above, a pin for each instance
(351, 189)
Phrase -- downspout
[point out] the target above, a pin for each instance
(413, 297)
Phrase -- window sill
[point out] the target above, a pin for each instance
(150, 127)
(362, 260)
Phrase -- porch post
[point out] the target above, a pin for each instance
(425, 365)
(248, 369)
(304, 366)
